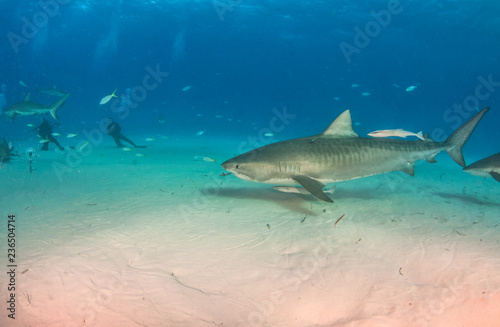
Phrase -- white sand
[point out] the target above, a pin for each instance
(163, 240)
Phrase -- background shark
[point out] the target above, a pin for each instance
(339, 154)
(30, 108)
(486, 167)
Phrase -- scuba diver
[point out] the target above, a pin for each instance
(6, 151)
(45, 133)
(114, 130)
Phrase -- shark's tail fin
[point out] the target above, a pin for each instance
(457, 140)
(56, 105)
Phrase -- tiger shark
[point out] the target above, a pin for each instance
(339, 154)
(30, 108)
(486, 167)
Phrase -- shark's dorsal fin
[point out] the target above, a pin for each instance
(27, 98)
(341, 127)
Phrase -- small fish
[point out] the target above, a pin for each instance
(396, 132)
(126, 149)
(149, 139)
(365, 94)
(44, 141)
(207, 159)
(336, 98)
(140, 155)
(56, 134)
(218, 116)
(355, 85)
(200, 133)
(338, 220)
(186, 88)
(411, 88)
(269, 134)
(108, 97)
(30, 125)
(69, 136)
(395, 85)
(163, 136)
(22, 84)
(83, 146)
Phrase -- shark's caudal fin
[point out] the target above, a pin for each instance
(461, 135)
(56, 105)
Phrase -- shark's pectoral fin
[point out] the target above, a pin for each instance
(495, 175)
(313, 186)
(431, 158)
(409, 168)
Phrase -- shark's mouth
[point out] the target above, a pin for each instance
(242, 176)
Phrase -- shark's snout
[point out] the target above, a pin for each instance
(233, 165)
(227, 165)
(240, 169)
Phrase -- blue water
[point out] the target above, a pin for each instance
(243, 58)
(149, 236)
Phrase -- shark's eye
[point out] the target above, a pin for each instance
(237, 166)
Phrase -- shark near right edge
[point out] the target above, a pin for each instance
(339, 154)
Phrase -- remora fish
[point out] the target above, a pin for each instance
(300, 190)
(395, 132)
(486, 167)
(29, 108)
(339, 154)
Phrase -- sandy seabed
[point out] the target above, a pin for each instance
(164, 240)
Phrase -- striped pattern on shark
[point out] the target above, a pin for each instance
(339, 154)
